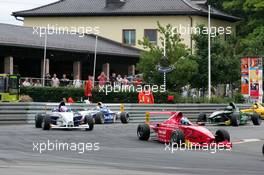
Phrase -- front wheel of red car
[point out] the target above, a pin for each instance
(143, 132)
(177, 137)
(222, 135)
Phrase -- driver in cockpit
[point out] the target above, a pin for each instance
(62, 107)
(185, 121)
(99, 105)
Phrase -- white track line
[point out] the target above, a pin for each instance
(246, 141)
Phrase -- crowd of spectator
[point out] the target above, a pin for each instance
(53, 81)
(102, 80)
(145, 96)
(119, 80)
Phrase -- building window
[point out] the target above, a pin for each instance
(151, 34)
(129, 37)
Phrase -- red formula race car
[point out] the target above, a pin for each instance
(178, 129)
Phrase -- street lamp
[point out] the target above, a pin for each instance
(164, 69)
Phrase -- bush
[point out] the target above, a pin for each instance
(50, 94)
(239, 98)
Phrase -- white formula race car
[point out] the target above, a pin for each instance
(63, 118)
(102, 114)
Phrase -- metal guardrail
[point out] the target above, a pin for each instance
(23, 113)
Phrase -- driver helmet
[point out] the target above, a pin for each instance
(229, 108)
(63, 109)
(255, 106)
(100, 104)
(185, 121)
(62, 103)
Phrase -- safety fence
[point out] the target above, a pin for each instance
(23, 113)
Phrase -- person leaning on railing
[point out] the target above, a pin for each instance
(47, 80)
(77, 83)
(102, 79)
(64, 81)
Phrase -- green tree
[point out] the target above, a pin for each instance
(178, 56)
(225, 65)
(250, 27)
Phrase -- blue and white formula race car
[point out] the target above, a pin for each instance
(63, 118)
(102, 114)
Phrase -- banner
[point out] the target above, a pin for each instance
(251, 79)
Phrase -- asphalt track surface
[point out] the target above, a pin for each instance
(122, 153)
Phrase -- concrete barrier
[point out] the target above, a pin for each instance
(23, 113)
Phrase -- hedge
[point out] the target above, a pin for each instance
(50, 94)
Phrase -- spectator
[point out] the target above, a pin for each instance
(119, 80)
(55, 82)
(138, 81)
(146, 96)
(37, 84)
(102, 79)
(77, 83)
(113, 79)
(141, 97)
(31, 81)
(149, 98)
(47, 80)
(125, 81)
(26, 83)
(88, 88)
(64, 81)
(70, 100)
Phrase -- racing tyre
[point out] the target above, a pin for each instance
(177, 137)
(46, 123)
(263, 149)
(99, 118)
(202, 118)
(89, 120)
(124, 117)
(256, 120)
(143, 132)
(235, 119)
(221, 135)
(39, 120)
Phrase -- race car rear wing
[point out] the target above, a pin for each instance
(157, 116)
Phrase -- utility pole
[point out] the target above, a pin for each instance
(95, 55)
(209, 52)
(44, 59)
